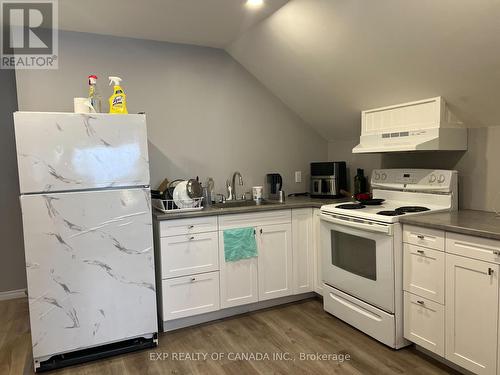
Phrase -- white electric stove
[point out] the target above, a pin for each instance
(362, 252)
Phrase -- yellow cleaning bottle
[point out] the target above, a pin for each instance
(117, 101)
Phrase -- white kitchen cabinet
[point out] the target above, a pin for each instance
(192, 257)
(190, 295)
(267, 276)
(424, 323)
(189, 254)
(238, 280)
(423, 272)
(275, 261)
(318, 277)
(303, 250)
(472, 314)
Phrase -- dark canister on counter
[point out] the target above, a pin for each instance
(359, 182)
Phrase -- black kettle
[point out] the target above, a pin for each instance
(275, 182)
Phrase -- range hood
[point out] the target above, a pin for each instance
(424, 125)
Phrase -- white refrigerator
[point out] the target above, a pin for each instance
(86, 208)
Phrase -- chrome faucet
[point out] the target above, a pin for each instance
(232, 193)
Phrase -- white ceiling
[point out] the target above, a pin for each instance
(213, 23)
(329, 59)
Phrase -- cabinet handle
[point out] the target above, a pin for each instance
(190, 226)
(421, 303)
(193, 279)
(191, 238)
(420, 251)
(496, 252)
(490, 271)
(421, 236)
(261, 231)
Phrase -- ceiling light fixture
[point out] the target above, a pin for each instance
(255, 3)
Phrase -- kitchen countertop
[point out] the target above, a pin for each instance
(290, 202)
(471, 222)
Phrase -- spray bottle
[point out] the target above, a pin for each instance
(94, 97)
(117, 101)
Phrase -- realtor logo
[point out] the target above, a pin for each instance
(29, 34)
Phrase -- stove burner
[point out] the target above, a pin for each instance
(390, 213)
(350, 206)
(405, 209)
(372, 202)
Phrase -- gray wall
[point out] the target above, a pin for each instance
(12, 272)
(207, 115)
(478, 167)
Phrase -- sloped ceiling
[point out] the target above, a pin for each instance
(213, 23)
(330, 59)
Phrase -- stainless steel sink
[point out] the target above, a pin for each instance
(242, 203)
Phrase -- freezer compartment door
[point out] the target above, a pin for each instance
(90, 268)
(69, 151)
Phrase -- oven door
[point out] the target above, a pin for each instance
(357, 258)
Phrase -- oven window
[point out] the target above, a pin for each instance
(354, 254)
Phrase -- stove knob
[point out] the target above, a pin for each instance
(384, 176)
(432, 178)
(441, 178)
(377, 176)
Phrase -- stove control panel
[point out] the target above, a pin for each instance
(414, 179)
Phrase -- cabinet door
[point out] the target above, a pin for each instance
(303, 251)
(471, 313)
(275, 261)
(318, 277)
(238, 280)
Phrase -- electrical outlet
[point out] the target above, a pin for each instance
(298, 176)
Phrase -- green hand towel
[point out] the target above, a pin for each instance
(239, 244)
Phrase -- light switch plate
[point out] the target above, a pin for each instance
(298, 176)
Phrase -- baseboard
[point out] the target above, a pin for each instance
(443, 360)
(12, 294)
(173, 325)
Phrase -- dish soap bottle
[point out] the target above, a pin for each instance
(359, 182)
(94, 97)
(117, 101)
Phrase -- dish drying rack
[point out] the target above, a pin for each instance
(169, 205)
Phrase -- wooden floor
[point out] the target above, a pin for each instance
(295, 328)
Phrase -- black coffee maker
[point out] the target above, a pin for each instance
(274, 185)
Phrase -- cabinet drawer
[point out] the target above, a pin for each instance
(190, 295)
(423, 272)
(431, 238)
(188, 226)
(189, 254)
(255, 219)
(424, 323)
(473, 247)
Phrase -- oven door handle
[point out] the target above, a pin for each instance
(374, 227)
